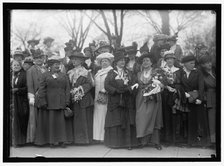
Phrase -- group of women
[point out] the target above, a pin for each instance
(118, 114)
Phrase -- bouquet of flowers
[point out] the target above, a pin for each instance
(169, 77)
(77, 94)
(123, 77)
(155, 85)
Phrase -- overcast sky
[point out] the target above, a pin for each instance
(136, 27)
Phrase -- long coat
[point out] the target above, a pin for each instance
(21, 109)
(83, 111)
(210, 99)
(120, 130)
(114, 115)
(52, 126)
(54, 92)
(197, 116)
(33, 83)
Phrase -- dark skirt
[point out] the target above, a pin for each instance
(82, 124)
(52, 127)
(198, 130)
(118, 137)
(19, 120)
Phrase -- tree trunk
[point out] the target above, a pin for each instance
(165, 21)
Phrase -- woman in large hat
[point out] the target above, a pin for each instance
(53, 98)
(190, 86)
(120, 130)
(20, 112)
(205, 63)
(148, 108)
(82, 102)
(28, 63)
(100, 103)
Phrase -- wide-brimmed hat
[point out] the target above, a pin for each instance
(28, 60)
(169, 54)
(18, 53)
(158, 37)
(147, 55)
(78, 55)
(189, 57)
(105, 55)
(36, 42)
(48, 39)
(118, 55)
(131, 49)
(54, 59)
(37, 53)
(104, 44)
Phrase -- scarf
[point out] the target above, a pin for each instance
(76, 72)
(103, 71)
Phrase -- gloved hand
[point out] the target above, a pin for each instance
(31, 101)
(135, 86)
(187, 95)
(198, 101)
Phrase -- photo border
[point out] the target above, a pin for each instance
(8, 7)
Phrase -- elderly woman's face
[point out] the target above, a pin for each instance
(105, 63)
(121, 63)
(16, 66)
(146, 63)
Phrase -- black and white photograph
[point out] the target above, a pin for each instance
(112, 82)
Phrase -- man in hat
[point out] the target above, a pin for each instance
(32, 45)
(176, 48)
(159, 44)
(28, 62)
(33, 83)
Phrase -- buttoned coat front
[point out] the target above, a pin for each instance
(54, 92)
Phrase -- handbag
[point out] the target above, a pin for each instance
(193, 96)
(68, 112)
(102, 97)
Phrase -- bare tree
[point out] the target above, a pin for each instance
(113, 24)
(22, 35)
(75, 27)
(161, 20)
